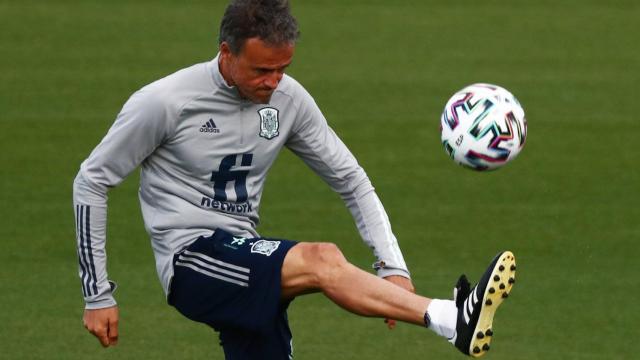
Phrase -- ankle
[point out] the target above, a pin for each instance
(441, 317)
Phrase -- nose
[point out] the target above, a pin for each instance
(273, 80)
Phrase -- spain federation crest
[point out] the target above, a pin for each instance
(265, 247)
(269, 123)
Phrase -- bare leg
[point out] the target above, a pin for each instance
(313, 267)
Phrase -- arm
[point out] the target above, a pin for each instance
(139, 128)
(321, 149)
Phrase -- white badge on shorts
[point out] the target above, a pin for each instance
(265, 247)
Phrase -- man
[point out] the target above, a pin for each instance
(205, 138)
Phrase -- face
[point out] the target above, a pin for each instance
(257, 69)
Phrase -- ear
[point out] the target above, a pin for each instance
(225, 50)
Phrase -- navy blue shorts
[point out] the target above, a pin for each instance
(233, 285)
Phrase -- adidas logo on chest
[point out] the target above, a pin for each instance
(209, 127)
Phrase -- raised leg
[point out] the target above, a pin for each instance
(321, 267)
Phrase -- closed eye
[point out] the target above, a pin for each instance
(264, 71)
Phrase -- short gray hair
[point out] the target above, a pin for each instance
(269, 20)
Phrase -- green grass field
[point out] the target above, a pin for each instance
(568, 207)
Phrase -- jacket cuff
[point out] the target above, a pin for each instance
(104, 301)
(385, 270)
(383, 273)
(108, 301)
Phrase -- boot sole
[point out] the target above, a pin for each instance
(500, 284)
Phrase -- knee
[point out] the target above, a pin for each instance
(326, 262)
(328, 254)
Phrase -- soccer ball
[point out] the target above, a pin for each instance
(483, 127)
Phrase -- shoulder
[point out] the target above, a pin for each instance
(173, 91)
(308, 115)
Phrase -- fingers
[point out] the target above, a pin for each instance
(113, 332)
(103, 324)
(391, 324)
(102, 337)
(100, 333)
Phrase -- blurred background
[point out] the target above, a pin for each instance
(381, 71)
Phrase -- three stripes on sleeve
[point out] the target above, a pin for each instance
(85, 251)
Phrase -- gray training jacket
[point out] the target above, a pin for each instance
(204, 154)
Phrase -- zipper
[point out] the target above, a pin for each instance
(242, 115)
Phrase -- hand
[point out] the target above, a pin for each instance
(404, 283)
(103, 324)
